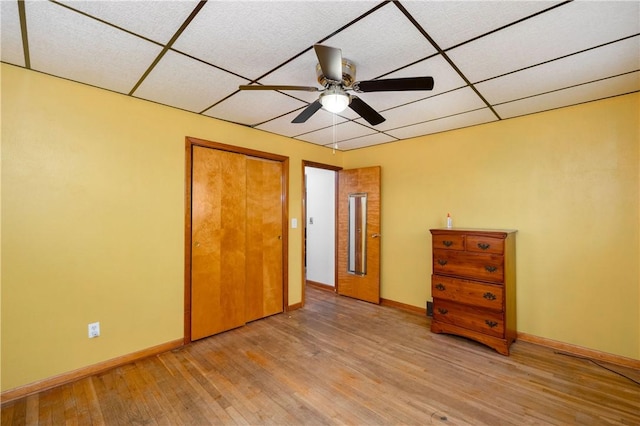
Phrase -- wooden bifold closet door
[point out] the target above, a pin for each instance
(236, 240)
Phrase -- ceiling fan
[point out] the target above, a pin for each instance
(337, 76)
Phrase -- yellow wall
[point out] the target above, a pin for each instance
(93, 216)
(93, 220)
(567, 180)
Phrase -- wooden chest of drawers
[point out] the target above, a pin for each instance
(474, 285)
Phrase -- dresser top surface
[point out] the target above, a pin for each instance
(436, 231)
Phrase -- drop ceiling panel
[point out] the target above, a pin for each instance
(453, 22)
(372, 42)
(588, 92)
(458, 121)
(455, 102)
(299, 72)
(185, 83)
(85, 50)
(569, 28)
(614, 59)
(11, 49)
(283, 126)
(445, 79)
(247, 107)
(253, 37)
(339, 132)
(155, 20)
(361, 142)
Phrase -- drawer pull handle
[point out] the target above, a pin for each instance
(440, 287)
(490, 268)
(447, 243)
(443, 311)
(442, 262)
(484, 246)
(489, 296)
(491, 324)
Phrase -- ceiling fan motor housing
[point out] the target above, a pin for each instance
(348, 74)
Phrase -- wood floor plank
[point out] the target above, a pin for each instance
(83, 405)
(92, 404)
(341, 361)
(14, 414)
(71, 414)
(32, 410)
(180, 393)
(158, 391)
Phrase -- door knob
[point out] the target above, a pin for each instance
(375, 235)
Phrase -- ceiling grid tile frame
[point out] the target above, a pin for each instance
(68, 44)
(451, 122)
(250, 38)
(155, 20)
(362, 142)
(451, 23)
(567, 29)
(445, 104)
(11, 47)
(601, 89)
(368, 41)
(186, 83)
(248, 107)
(338, 133)
(300, 71)
(385, 33)
(611, 60)
(511, 57)
(445, 79)
(282, 125)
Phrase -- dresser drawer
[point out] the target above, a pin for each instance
(482, 244)
(478, 266)
(473, 293)
(487, 322)
(449, 241)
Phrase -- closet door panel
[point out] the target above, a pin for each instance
(218, 239)
(264, 239)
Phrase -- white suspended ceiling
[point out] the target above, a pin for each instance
(491, 60)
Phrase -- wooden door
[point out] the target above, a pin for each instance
(264, 267)
(218, 241)
(364, 286)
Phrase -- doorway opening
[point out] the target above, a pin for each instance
(320, 198)
(356, 232)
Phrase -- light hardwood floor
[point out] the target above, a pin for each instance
(342, 361)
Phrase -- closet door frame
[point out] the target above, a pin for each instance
(190, 142)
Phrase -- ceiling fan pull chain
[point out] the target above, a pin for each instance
(335, 140)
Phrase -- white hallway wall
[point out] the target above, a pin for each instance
(320, 225)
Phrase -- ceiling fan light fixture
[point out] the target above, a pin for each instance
(335, 100)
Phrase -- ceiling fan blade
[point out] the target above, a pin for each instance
(277, 87)
(365, 111)
(394, 84)
(307, 112)
(330, 59)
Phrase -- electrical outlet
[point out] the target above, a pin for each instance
(94, 330)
